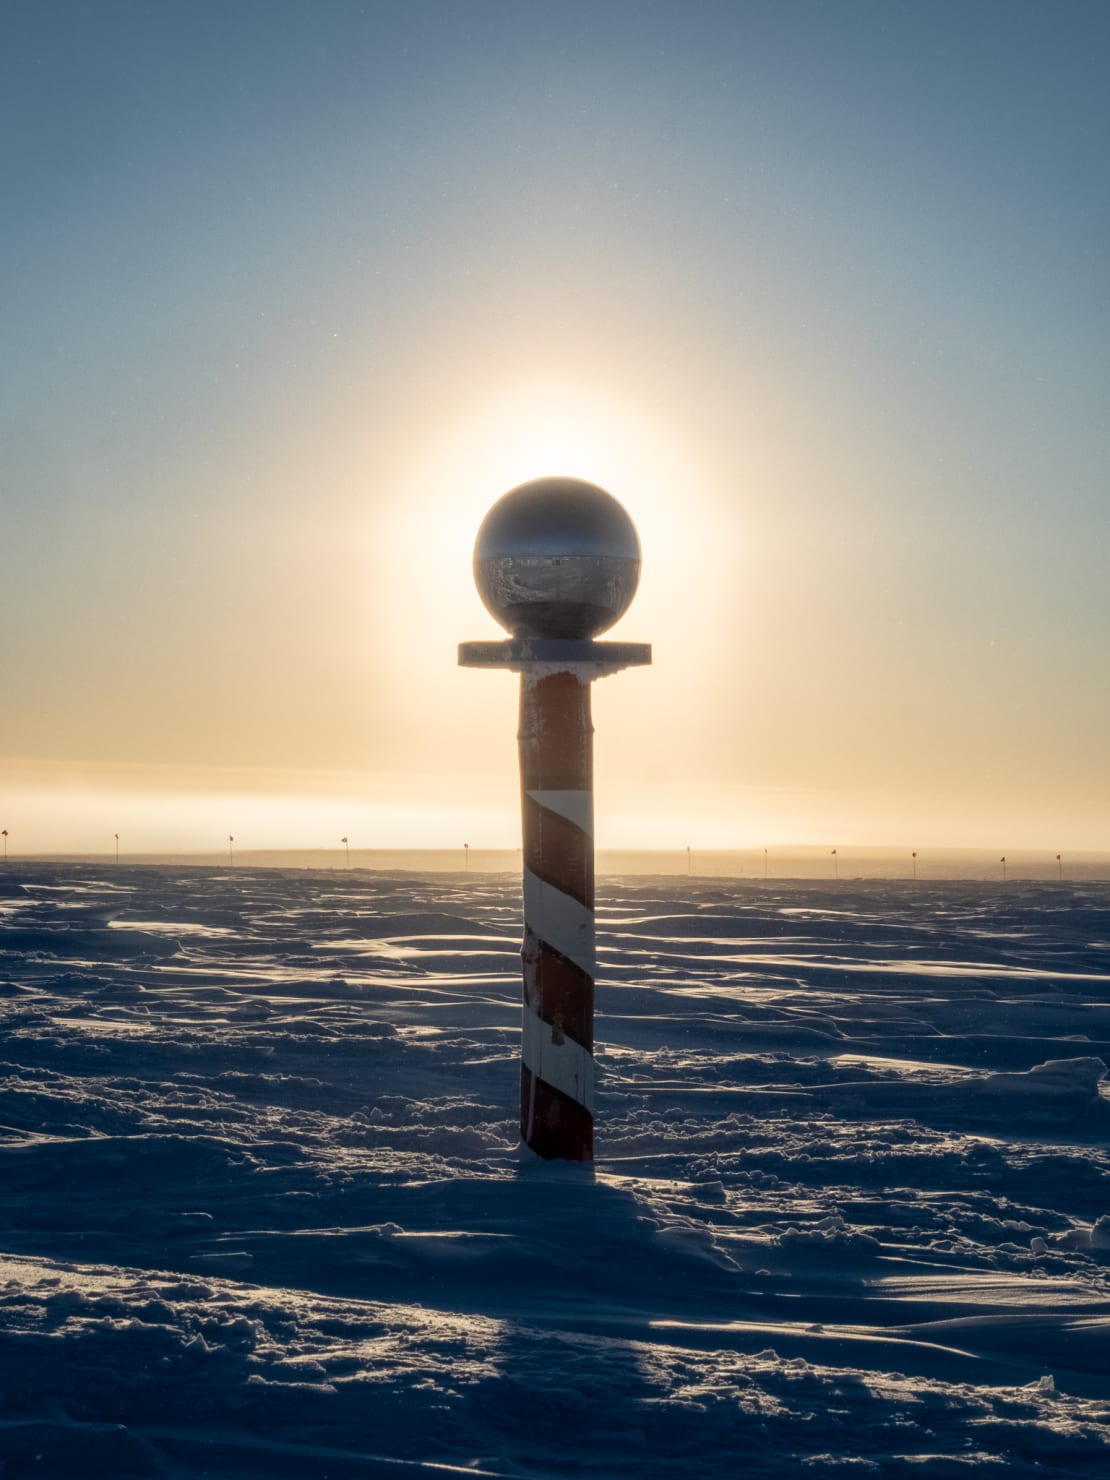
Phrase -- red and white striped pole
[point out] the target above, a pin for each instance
(557, 561)
(559, 953)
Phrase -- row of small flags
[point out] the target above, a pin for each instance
(834, 854)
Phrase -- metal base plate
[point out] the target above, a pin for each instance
(555, 655)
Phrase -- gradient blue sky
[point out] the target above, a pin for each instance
(291, 293)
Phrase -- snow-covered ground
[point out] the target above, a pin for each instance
(262, 1210)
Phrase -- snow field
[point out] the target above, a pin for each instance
(262, 1208)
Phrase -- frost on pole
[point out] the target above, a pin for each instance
(557, 562)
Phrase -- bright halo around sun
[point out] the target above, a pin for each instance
(538, 429)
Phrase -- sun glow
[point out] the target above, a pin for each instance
(422, 601)
(545, 427)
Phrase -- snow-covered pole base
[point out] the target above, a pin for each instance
(559, 951)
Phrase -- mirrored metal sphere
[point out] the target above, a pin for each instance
(557, 558)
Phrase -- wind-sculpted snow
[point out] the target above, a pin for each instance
(262, 1209)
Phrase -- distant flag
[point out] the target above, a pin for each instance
(836, 864)
(4, 835)
(1002, 861)
(1060, 867)
(466, 858)
(765, 863)
(117, 846)
(689, 860)
(231, 849)
(347, 845)
(914, 857)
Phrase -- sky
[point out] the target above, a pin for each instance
(291, 293)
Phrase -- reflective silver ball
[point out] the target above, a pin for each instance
(557, 558)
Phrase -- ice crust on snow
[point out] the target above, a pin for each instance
(1065, 1078)
(264, 1211)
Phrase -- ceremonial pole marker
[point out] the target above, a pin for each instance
(557, 561)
